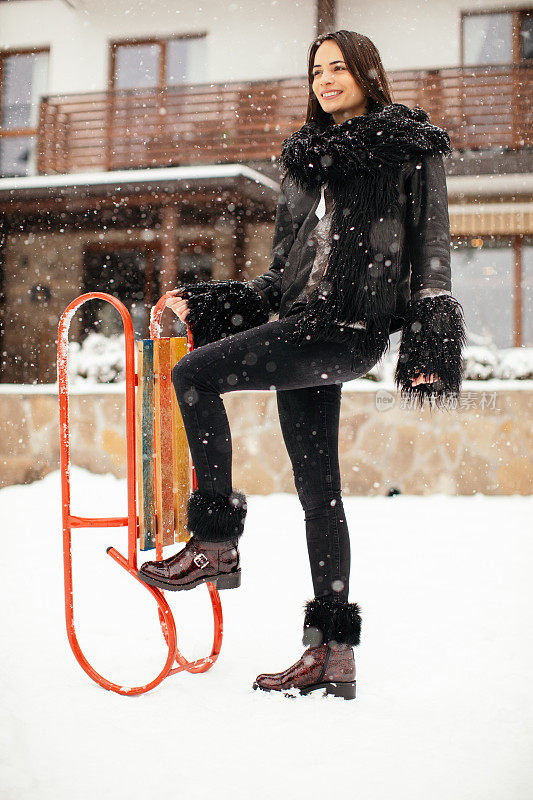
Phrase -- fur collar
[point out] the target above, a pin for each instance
(383, 138)
(360, 159)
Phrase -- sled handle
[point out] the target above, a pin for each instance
(62, 377)
(166, 618)
(155, 321)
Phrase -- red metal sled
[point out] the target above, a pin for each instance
(131, 521)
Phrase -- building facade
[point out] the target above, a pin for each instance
(138, 147)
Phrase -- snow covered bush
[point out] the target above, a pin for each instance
(512, 363)
(516, 363)
(481, 362)
(99, 359)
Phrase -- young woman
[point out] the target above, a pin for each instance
(361, 249)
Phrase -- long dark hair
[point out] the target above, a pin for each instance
(363, 63)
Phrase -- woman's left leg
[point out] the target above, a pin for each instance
(309, 420)
(310, 424)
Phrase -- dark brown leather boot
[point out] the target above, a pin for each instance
(211, 554)
(332, 627)
(330, 667)
(197, 562)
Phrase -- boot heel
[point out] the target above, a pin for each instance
(230, 581)
(346, 689)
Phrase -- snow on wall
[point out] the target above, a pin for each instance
(101, 359)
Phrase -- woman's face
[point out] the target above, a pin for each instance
(330, 74)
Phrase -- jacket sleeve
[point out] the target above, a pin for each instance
(433, 333)
(219, 308)
(428, 228)
(269, 284)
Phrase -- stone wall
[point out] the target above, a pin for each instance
(485, 445)
(55, 260)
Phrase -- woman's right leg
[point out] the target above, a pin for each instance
(265, 357)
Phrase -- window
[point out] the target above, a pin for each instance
(526, 35)
(136, 66)
(125, 271)
(195, 262)
(499, 37)
(483, 282)
(23, 81)
(154, 64)
(186, 60)
(487, 39)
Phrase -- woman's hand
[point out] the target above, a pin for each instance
(424, 379)
(177, 304)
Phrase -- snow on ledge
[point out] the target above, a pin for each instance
(116, 178)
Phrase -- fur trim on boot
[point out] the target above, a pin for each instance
(216, 519)
(433, 336)
(218, 309)
(328, 619)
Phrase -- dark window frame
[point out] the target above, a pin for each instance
(151, 251)
(162, 41)
(6, 133)
(516, 241)
(18, 52)
(517, 15)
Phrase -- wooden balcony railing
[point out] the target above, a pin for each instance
(480, 107)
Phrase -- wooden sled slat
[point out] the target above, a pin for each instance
(180, 446)
(163, 442)
(145, 445)
(163, 466)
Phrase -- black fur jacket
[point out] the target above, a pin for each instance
(389, 263)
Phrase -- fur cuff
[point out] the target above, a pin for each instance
(328, 619)
(220, 308)
(433, 337)
(216, 519)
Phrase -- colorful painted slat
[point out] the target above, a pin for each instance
(180, 446)
(163, 466)
(163, 442)
(145, 445)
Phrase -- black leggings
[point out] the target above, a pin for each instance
(307, 379)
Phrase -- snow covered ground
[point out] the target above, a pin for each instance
(445, 695)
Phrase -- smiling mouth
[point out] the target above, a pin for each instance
(328, 96)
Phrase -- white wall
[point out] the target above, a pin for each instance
(247, 39)
(414, 34)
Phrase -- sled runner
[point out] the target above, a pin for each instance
(158, 474)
